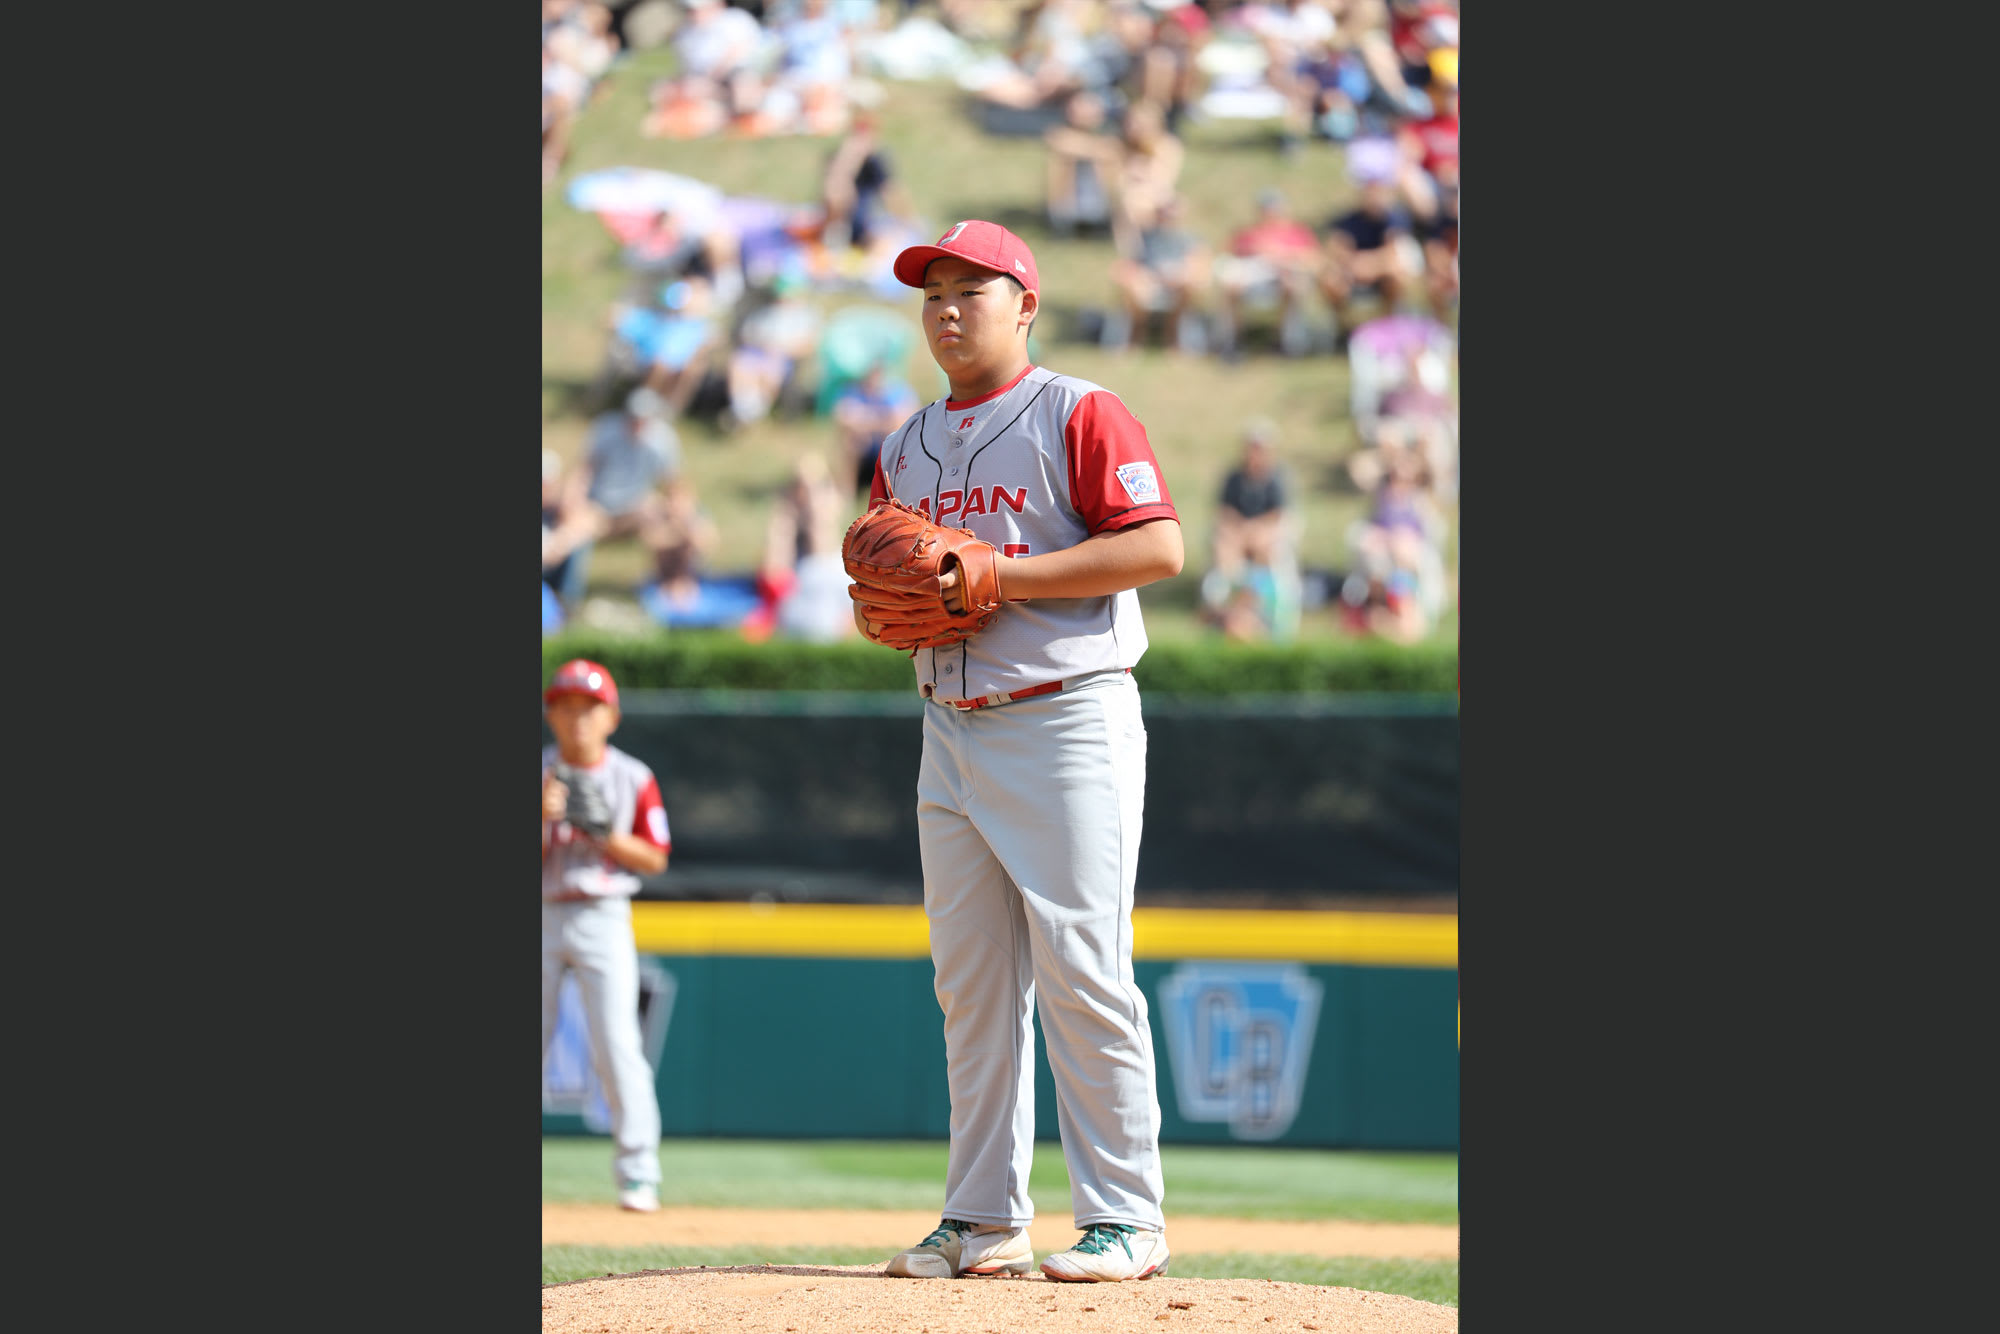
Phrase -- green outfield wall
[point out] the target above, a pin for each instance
(1294, 1028)
(811, 797)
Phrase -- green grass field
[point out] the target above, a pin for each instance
(880, 1174)
(1193, 408)
(1233, 1182)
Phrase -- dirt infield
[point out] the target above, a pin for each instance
(893, 1229)
(809, 1299)
(806, 1299)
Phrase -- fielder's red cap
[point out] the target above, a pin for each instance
(580, 676)
(986, 244)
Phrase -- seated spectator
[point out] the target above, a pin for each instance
(1169, 273)
(1380, 596)
(630, 452)
(1052, 57)
(719, 47)
(1432, 144)
(801, 579)
(1367, 254)
(1254, 545)
(865, 412)
(563, 93)
(859, 189)
(1365, 33)
(1123, 36)
(1170, 72)
(569, 521)
(1141, 165)
(1081, 158)
(1147, 171)
(808, 91)
(680, 536)
(1416, 29)
(1418, 447)
(1402, 504)
(585, 42)
(1296, 36)
(1272, 260)
(774, 339)
(1397, 587)
(1433, 139)
(676, 343)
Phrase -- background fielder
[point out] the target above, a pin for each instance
(1033, 774)
(590, 869)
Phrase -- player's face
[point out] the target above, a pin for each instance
(581, 724)
(972, 315)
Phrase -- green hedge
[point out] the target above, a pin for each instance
(707, 660)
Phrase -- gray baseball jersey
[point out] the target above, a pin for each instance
(1034, 467)
(576, 868)
(587, 930)
(1029, 809)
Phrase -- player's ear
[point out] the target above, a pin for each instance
(1030, 302)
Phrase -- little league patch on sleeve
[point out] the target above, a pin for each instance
(1139, 482)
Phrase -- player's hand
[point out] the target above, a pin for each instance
(954, 595)
(555, 800)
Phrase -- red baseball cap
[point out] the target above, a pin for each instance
(986, 244)
(580, 676)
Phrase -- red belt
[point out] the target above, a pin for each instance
(981, 701)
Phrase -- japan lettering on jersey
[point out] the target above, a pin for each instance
(1036, 466)
(574, 865)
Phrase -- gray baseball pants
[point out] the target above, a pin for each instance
(1028, 818)
(593, 939)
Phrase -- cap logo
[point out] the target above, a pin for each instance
(951, 235)
(1019, 265)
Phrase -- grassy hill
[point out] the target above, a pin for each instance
(1193, 409)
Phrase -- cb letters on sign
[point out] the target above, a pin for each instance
(1240, 1036)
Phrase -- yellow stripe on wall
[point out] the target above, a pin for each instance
(876, 931)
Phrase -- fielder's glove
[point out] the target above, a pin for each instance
(895, 555)
(588, 811)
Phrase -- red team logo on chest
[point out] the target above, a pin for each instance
(964, 424)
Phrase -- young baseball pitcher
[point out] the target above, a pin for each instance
(602, 826)
(1033, 775)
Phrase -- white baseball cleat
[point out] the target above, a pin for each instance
(958, 1248)
(1110, 1253)
(641, 1197)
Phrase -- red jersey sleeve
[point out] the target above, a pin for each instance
(879, 488)
(649, 816)
(1114, 480)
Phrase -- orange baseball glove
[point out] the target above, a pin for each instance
(897, 557)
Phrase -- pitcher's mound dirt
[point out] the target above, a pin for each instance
(893, 1229)
(814, 1299)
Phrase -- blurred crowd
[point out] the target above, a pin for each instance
(578, 48)
(725, 315)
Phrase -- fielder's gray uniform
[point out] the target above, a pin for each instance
(1029, 802)
(587, 930)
